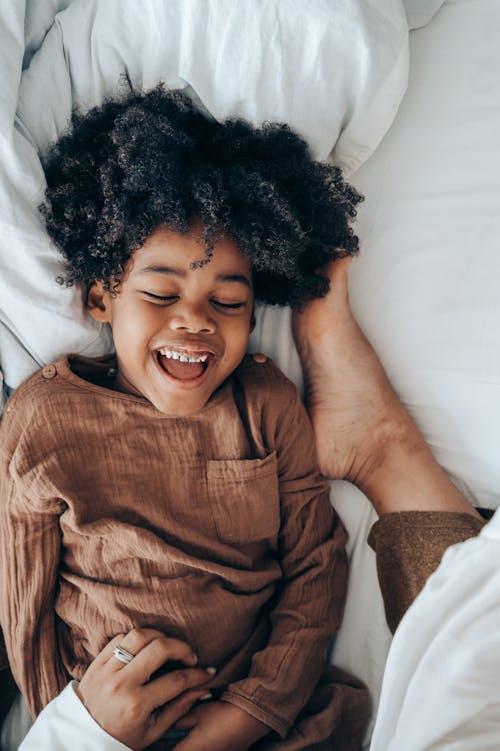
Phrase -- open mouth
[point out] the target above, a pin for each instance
(184, 365)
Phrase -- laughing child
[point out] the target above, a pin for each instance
(174, 485)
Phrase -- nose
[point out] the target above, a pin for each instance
(193, 318)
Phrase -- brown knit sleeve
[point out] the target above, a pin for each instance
(409, 547)
(30, 545)
(29, 560)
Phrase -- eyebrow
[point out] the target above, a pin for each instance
(169, 270)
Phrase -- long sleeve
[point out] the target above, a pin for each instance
(409, 547)
(440, 687)
(30, 543)
(311, 598)
(64, 725)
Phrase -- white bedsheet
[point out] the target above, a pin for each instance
(424, 288)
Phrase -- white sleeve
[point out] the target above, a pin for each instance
(441, 685)
(65, 725)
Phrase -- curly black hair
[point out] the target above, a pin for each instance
(153, 159)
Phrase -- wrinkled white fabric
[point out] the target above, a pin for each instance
(37, 316)
(336, 73)
(441, 688)
(65, 725)
(420, 12)
(425, 288)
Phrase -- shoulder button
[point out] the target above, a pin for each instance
(259, 358)
(49, 371)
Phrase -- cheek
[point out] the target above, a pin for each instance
(132, 324)
(239, 338)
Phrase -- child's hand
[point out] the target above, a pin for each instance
(220, 726)
(125, 703)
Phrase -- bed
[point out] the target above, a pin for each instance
(413, 119)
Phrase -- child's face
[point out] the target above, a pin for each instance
(178, 332)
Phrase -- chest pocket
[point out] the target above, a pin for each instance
(244, 498)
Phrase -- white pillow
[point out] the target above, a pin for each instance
(335, 72)
(39, 17)
(420, 12)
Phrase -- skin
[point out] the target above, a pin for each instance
(161, 303)
(122, 699)
(363, 432)
(137, 711)
(365, 435)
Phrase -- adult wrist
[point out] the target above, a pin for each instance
(404, 475)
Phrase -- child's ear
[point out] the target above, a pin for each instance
(98, 303)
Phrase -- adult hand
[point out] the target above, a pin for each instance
(126, 703)
(352, 405)
(220, 726)
(363, 433)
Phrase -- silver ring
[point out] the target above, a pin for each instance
(122, 655)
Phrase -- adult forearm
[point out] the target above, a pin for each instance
(401, 473)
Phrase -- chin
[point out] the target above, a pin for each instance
(179, 407)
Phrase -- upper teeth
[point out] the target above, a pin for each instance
(173, 355)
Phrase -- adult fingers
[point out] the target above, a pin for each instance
(188, 720)
(169, 686)
(168, 716)
(336, 272)
(107, 652)
(151, 649)
(155, 653)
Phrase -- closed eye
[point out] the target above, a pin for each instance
(161, 298)
(229, 305)
(173, 298)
